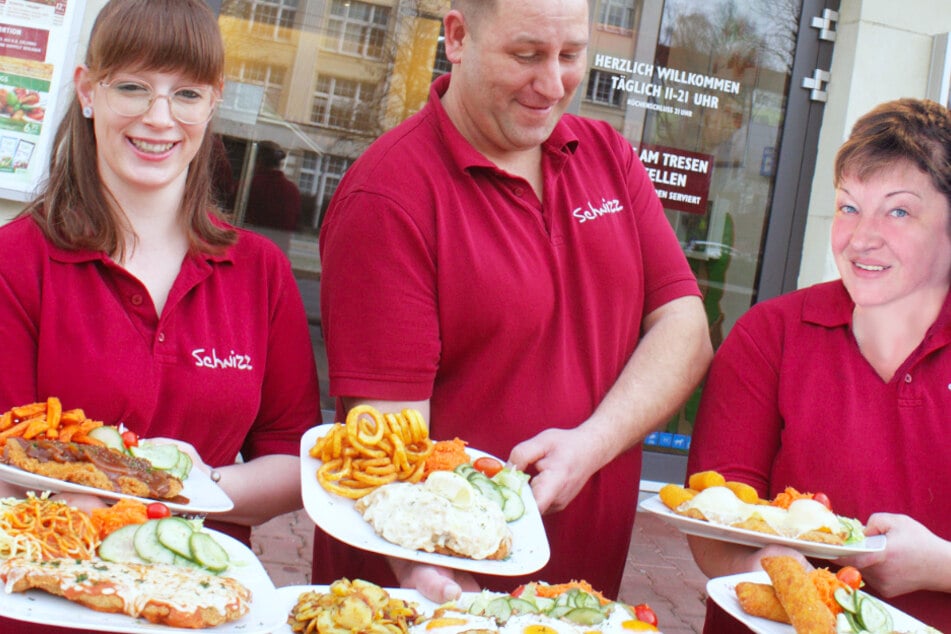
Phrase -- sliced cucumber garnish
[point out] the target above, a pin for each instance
(148, 546)
(209, 553)
(162, 457)
(109, 436)
(119, 546)
(174, 533)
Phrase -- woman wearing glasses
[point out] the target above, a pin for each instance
(125, 293)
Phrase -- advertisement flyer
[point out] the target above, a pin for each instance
(38, 39)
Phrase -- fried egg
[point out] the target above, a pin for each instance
(720, 505)
(451, 622)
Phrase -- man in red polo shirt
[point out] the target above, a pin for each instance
(508, 270)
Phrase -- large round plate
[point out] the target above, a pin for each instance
(337, 516)
(747, 537)
(723, 591)
(266, 614)
(204, 495)
(287, 598)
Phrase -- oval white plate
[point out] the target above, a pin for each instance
(266, 614)
(723, 591)
(337, 516)
(747, 537)
(204, 495)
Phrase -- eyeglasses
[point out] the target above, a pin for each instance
(189, 105)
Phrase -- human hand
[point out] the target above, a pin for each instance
(754, 561)
(433, 582)
(564, 460)
(910, 560)
(82, 501)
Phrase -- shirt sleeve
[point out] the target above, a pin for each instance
(20, 284)
(738, 426)
(378, 301)
(289, 392)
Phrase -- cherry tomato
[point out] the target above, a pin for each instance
(850, 576)
(822, 499)
(157, 511)
(645, 613)
(488, 466)
(130, 438)
(518, 591)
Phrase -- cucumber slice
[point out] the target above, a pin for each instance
(585, 616)
(119, 546)
(208, 552)
(845, 598)
(874, 617)
(182, 467)
(521, 606)
(174, 533)
(488, 488)
(544, 604)
(148, 546)
(587, 600)
(162, 457)
(110, 437)
(513, 507)
(499, 608)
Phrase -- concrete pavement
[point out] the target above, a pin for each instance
(659, 570)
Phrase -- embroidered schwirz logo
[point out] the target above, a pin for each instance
(593, 213)
(206, 359)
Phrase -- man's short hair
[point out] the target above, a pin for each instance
(474, 11)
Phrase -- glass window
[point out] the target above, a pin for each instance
(602, 88)
(342, 103)
(357, 28)
(617, 13)
(265, 18)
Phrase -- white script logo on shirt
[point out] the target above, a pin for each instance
(212, 360)
(593, 213)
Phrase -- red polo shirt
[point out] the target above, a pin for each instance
(228, 366)
(790, 401)
(446, 278)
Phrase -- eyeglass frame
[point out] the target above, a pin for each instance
(216, 99)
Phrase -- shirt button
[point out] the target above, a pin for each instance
(161, 337)
(907, 378)
(519, 191)
(136, 300)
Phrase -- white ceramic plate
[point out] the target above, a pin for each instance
(337, 516)
(287, 598)
(204, 495)
(723, 533)
(266, 614)
(723, 591)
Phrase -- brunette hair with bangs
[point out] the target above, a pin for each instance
(913, 130)
(75, 210)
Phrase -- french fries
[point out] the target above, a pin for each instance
(372, 449)
(46, 419)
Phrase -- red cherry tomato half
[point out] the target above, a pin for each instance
(130, 438)
(645, 613)
(488, 466)
(157, 511)
(822, 499)
(850, 576)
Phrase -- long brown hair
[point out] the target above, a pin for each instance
(75, 210)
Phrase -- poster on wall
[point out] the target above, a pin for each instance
(38, 40)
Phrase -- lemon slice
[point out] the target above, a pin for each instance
(451, 486)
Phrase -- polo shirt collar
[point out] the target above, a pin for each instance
(562, 141)
(830, 305)
(78, 256)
